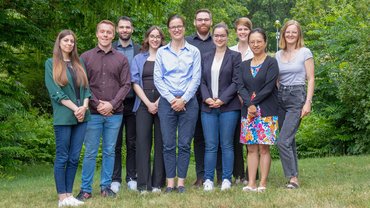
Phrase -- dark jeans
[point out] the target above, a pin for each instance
(183, 122)
(68, 143)
(291, 101)
(199, 150)
(129, 122)
(145, 122)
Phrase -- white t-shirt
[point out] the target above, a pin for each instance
(215, 74)
(247, 56)
(293, 72)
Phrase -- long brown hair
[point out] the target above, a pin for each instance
(145, 45)
(59, 67)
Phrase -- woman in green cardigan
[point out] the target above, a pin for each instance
(67, 84)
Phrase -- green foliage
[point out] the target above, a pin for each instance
(25, 136)
(264, 13)
(338, 34)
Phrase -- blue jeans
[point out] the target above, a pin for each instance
(68, 142)
(107, 127)
(219, 127)
(184, 122)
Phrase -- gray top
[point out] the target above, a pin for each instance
(293, 72)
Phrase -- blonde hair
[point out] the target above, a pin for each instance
(108, 22)
(300, 41)
(59, 67)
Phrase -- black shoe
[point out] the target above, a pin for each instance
(169, 190)
(198, 183)
(107, 192)
(181, 189)
(83, 196)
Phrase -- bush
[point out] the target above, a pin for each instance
(25, 136)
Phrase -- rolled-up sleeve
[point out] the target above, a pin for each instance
(55, 91)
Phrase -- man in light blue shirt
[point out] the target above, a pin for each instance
(177, 73)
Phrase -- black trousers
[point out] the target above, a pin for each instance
(129, 122)
(200, 148)
(238, 170)
(148, 178)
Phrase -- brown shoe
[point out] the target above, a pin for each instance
(198, 183)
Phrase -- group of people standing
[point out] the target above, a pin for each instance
(193, 87)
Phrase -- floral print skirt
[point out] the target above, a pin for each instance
(259, 130)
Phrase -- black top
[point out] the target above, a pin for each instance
(74, 80)
(148, 82)
(264, 85)
(204, 46)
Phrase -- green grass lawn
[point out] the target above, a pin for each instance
(325, 182)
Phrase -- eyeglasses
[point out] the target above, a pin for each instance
(179, 27)
(203, 19)
(155, 37)
(219, 36)
(258, 42)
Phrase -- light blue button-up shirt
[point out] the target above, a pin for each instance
(177, 74)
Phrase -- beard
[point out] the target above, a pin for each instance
(203, 31)
(125, 38)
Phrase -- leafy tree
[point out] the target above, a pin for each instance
(337, 32)
(264, 13)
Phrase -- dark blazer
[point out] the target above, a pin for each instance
(264, 85)
(227, 82)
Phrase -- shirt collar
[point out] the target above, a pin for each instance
(186, 46)
(130, 44)
(196, 36)
(98, 50)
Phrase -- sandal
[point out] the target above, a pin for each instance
(292, 185)
(261, 189)
(249, 189)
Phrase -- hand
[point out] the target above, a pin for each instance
(152, 108)
(306, 109)
(252, 110)
(105, 108)
(80, 113)
(218, 103)
(178, 104)
(210, 102)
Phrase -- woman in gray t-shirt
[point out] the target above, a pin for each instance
(296, 66)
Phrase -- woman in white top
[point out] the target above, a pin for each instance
(220, 107)
(296, 66)
(243, 27)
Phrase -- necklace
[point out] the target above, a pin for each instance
(257, 61)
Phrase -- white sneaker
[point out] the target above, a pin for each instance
(208, 185)
(63, 203)
(156, 190)
(132, 185)
(226, 184)
(70, 202)
(74, 202)
(114, 186)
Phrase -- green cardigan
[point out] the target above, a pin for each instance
(63, 115)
